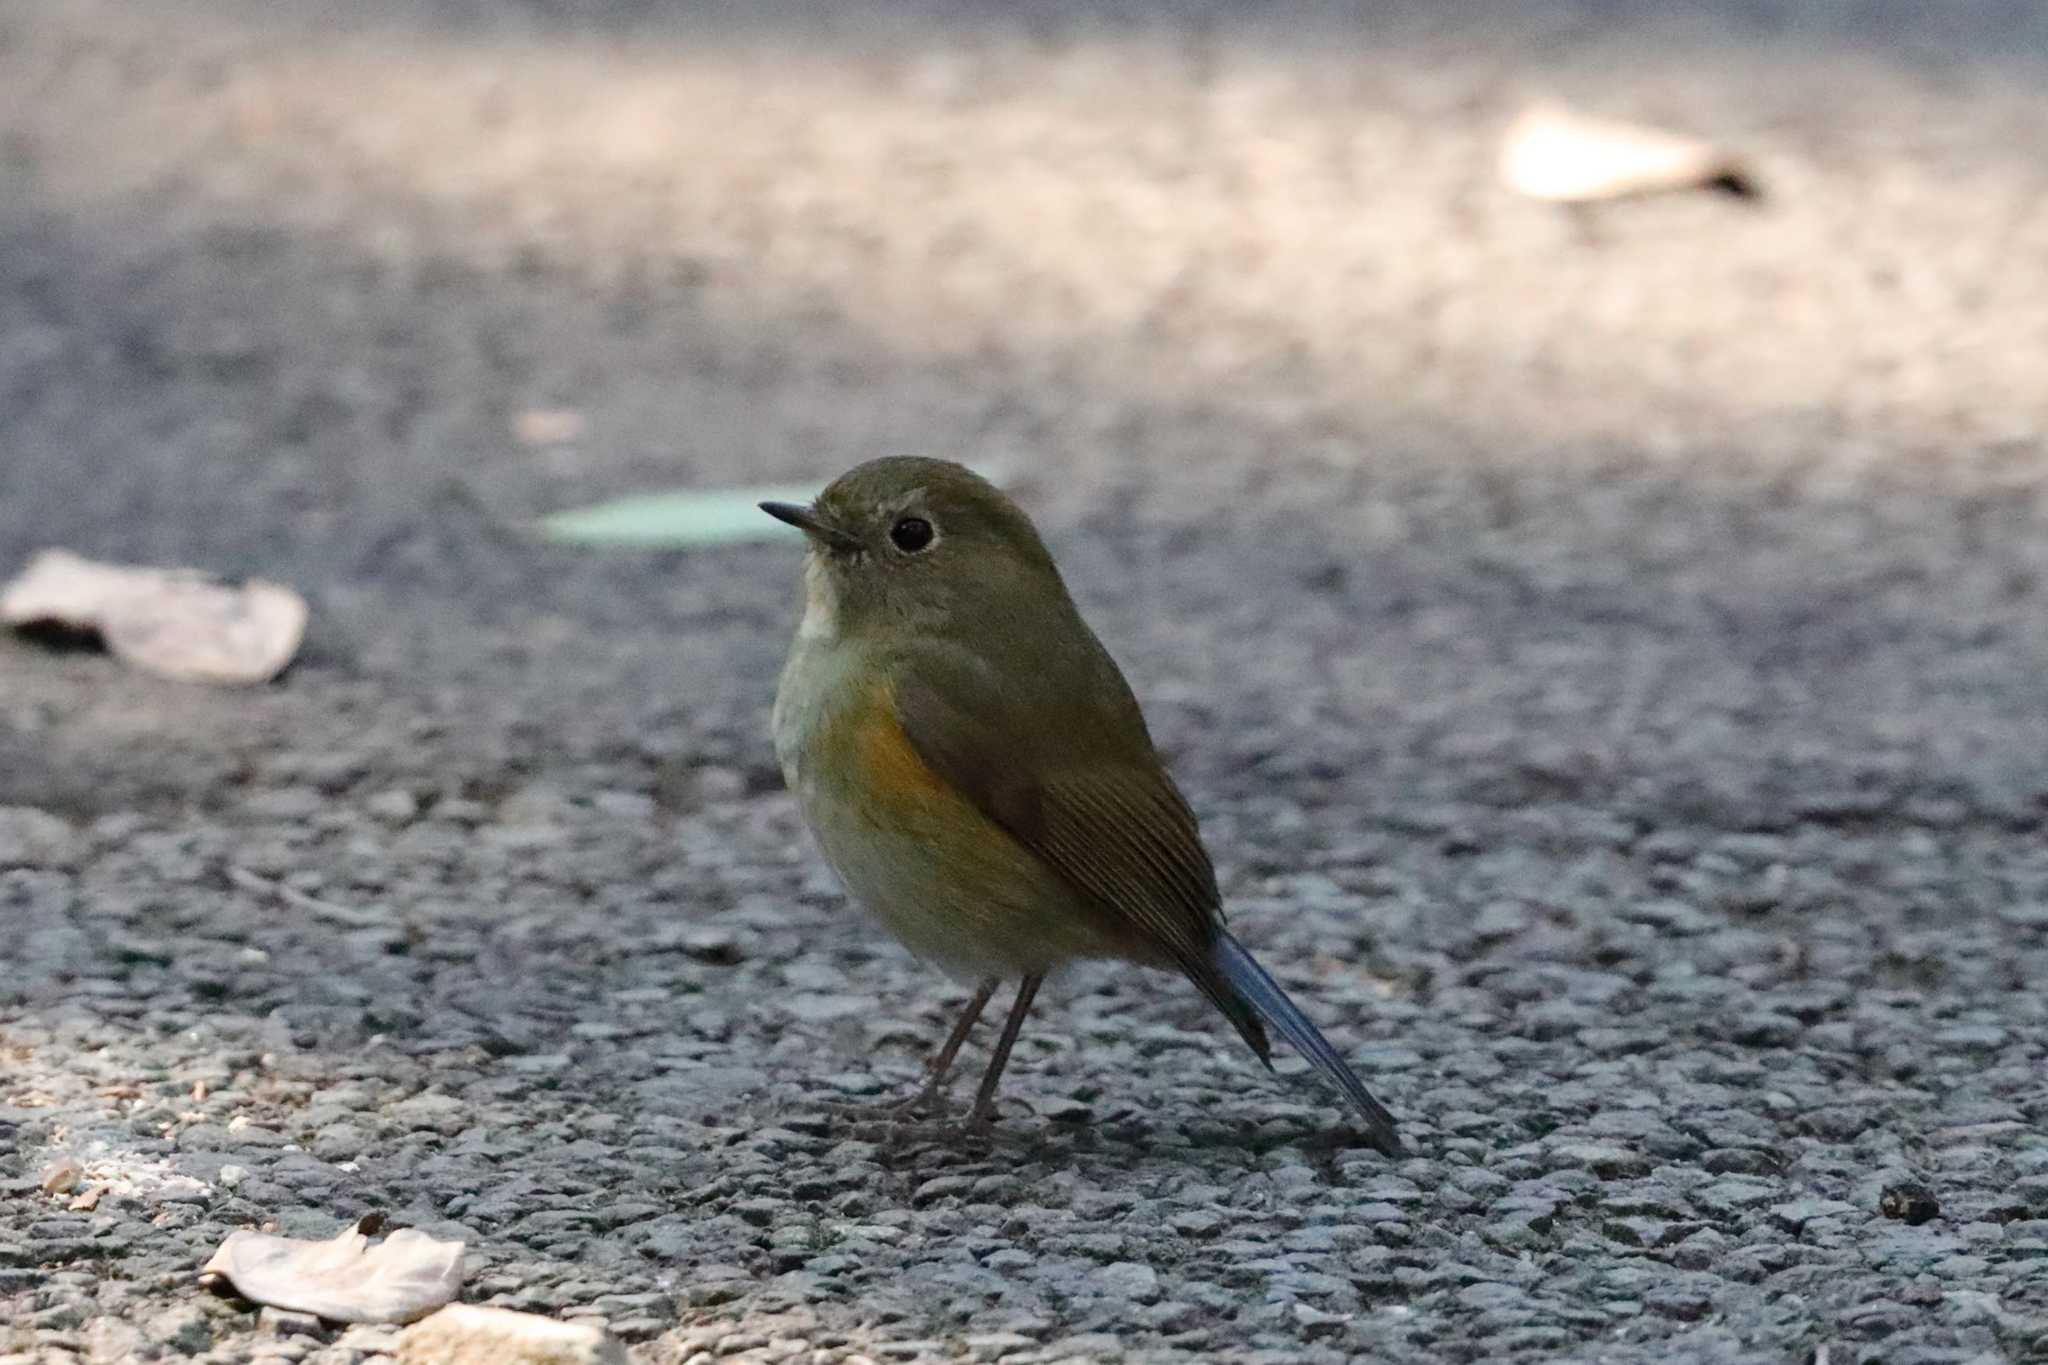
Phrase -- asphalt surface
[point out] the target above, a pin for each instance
(1607, 656)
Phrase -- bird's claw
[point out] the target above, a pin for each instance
(926, 1103)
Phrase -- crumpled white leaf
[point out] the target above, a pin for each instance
(344, 1279)
(1558, 154)
(179, 623)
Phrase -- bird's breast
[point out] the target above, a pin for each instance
(922, 858)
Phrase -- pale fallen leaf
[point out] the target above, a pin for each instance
(343, 1279)
(1558, 154)
(548, 426)
(87, 1202)
(176, 622)
(465, 1334)
(713, 517)
(716, 516)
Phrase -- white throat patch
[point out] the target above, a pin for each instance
(821, 602)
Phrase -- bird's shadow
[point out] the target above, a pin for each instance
(1123, 1139)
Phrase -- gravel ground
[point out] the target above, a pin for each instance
(1607, 657)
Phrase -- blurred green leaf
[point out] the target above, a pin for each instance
(712, 516)
(722, 516)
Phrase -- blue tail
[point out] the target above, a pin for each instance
(1250, 981)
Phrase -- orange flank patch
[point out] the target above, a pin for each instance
(889, 768)
(896, 792)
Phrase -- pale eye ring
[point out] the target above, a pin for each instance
(911, 534)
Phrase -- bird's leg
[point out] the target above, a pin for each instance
(985, 1098)
(941, 1064)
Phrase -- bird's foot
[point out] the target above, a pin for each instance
(928, 1103)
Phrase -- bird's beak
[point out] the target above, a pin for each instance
(807, 520)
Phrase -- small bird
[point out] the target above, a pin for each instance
(978, 773)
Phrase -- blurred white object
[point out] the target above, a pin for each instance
(548, 427)
(1560, 155)
(464, 1334)
(177, 622)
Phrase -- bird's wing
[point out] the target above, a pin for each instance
(1071, 775)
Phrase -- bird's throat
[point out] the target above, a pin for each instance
(821, 602)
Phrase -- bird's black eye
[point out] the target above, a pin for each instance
(911, 534)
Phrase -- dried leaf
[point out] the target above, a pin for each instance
(548, 426)
(87, 1202)
(465, 1334)
(344, 1279)
(179, 623)
(1553, 153)
(62, 1176)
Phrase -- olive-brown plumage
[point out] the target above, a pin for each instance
(977, 771)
